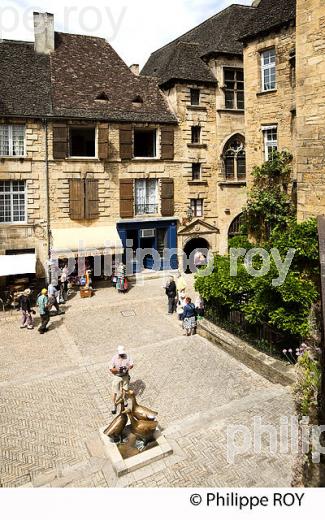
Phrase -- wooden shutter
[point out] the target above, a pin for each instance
(60, 141)
(103, 133)
(126, 142)
(126, 198)
(167, 143)
(91, 199)
(77, 199)
(167, 197)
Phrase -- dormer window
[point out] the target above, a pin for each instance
(102, 97)
(137, 100)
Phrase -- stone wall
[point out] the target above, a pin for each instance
(33, 234)
(223, 201)
(269, 108)
(311, 107)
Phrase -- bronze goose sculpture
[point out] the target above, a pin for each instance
(142, 429)
(115, 429)
(141, 412)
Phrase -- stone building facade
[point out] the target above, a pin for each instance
(284, 64)
(87, 152)
(310, 107)
(270, 114)
(201, 75)
(30, 233)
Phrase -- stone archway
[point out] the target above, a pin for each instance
(195, 244)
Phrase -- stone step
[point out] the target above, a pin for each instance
(194, 423)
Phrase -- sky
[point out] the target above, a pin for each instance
(135, 28)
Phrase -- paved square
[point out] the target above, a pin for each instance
(55, 395)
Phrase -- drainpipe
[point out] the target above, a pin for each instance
(47, 201)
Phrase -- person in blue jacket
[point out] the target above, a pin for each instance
(189, 317)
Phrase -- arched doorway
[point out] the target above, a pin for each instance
(235, 226)
(195, 244)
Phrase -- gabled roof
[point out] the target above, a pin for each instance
(67, 82)
(268, 16)
(182, 59)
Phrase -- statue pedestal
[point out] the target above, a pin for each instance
(124, 466)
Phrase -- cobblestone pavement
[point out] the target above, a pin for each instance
(55, 395)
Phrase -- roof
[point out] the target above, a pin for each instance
(24, 80)
(181, 59)
(268, 16)
(67, 82)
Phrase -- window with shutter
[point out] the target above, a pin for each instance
(126, 142)
(126, 198)
(91, 199)
(167, 143)
(103, 134)
(60, 141)
(77, 199)
(167, 197)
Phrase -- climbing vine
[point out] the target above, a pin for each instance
(270, 223)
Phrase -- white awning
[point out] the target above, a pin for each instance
(84, 241)
(17, 264)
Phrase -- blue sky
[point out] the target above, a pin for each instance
(135, 28)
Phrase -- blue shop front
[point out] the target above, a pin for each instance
(149, 244)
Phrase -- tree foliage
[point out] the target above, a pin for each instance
(271, 224)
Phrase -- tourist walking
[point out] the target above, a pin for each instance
(189, 317)
(25, 307)
(53, 297)
(121, 280)
(120, 366)
(64, 284)
(171, 292)
(43, 307)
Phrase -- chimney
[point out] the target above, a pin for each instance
(135, 68)
(256, 3)
(44, 32)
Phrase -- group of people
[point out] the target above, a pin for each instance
(178, 302)
(46, 300)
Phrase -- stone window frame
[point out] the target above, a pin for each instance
(230, 151)
(196, 174)
(11, 192)
(196, 91)
(198, 129)
(268, 67)
(73, 126)
(235, 90)
(269, 142)
(146, 204)
(197, 207)
(10, 127)
(147, 128)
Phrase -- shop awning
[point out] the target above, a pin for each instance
(78, 241)
(17, 264)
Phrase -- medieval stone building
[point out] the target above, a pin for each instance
(201, 74)
(284, 63)
(95, 156)
(86, 148)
